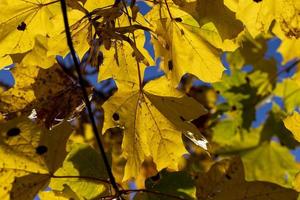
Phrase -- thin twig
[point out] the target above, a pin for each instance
(84, 177)
(86, 98)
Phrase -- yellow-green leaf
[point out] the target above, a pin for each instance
(87, 169)
(178, 40)
(270, 162)
(153, 120)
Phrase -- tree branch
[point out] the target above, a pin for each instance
(86, 98)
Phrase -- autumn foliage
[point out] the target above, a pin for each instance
(83, 120)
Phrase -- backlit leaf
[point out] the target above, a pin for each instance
(29, 155)
(225, 181)
(178, 40)
(148, 118)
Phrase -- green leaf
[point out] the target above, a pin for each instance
(270, 162)
(178, 184)
(86, 169)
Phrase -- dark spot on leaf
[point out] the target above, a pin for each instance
(233, 108)
(13, 132)
(257, 1)
(170, 64)
(41, 150)
(156, 177)
(182, 32)
(22, 26)
(178, 19)
(116, 116)
(228, 177)
(182, 118)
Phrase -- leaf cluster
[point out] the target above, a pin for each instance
(190, 133)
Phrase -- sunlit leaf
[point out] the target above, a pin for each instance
(178, 40)
(21, 21)
(154, 118)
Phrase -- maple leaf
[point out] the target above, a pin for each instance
(30, 154)
(182, 186)
(81, 30)
(270, 162)
(289, 91)
(47, 91)
(5, 61)
(258, 16)
(83, 164)
(292, 123)
(153, 120)
(57, 195)
(222, 30)
(178, 40)
(225, 180)
(121, 63)
(20, 95)
(38, 55)
(21, 21)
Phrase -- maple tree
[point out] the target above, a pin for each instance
(187, 133)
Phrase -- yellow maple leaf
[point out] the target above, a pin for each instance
(153, 119)
(38, 55)
(223, 30)
(258, 15)
(29, 155)
(91, 5)
(293, 124)
(20, 95)
(5, 61)
(21, 21)
(81, 30)
(178, 40)
(120, 62)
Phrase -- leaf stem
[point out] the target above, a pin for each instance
(86, 98)
(134, 41)
(168, 9)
